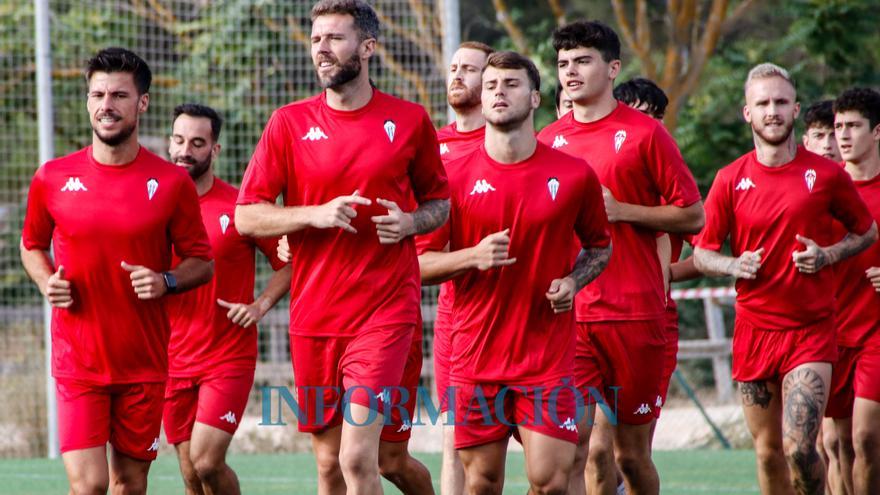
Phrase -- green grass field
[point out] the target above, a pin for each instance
(681, 472)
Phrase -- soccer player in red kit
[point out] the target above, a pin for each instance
(457, 139)
(213, 349)
(344, 160)
(777, 204)
(819, 130)
(855, 388)
(517, 206)
(112, 212)
(647, 189)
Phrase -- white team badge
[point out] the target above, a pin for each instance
(390, 127)
(152, 186)
(224, 222)
(619, 138)
(810, 177)
(444, 148)
(553, 187)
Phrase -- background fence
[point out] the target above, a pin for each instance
(244, 58)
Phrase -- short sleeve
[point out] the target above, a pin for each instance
(669, 171)
(426, 170)
(847, 205)
(38, 222)
(188, 235)
(592, 222)
(718, 212)
(269, 247)
(267, 175)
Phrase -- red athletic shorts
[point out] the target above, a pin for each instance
(671, 352)
(442, 351)
(129, 416)
(216, 400)
(769, 354)
(364, 369)
(399, 428)
(489, 412)
(626, 361)
(856, 374)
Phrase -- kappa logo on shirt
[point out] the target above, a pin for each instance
(745, 184)
(810, 177)
(152, 187)
(229, 417)
(569, 425)
(553, 187)
(406, 426)
(224, 222)
(481, 186)
(559, 141)
(619, 138)
(643, 409)
(444, 148)
(73, 185)
(390, 127)
(315, 134)
(154, 447)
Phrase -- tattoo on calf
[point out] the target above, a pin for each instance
(430, 215)
(803, 393)
(755, 394)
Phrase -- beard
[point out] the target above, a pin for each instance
(775, 140)
(512, 120)
(346, 72)
(194, 168)
(117, 138)
(470, 98)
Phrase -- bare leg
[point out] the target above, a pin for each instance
(548, 462)
(191, 483)
(762, 407)
(87, 471)
(484, 468)
(866, 439)
(326, 447)
(359, 451)
(601, 472)
(804, 396)
(208, 448)
(409, 475)
(451, 472)
(128, 475)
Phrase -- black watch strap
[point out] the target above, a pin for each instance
(170, 282)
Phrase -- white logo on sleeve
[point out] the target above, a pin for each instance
(643, 409)
(559, 141)
(152, 187)
(444, 148)
(619, 138)
(569, 425)
(224, 222)
(553, 187)
(154, 447)
(810, 177)
(481, 186)
(314, 134)
(229, 417)
(73, 185)
(745, 184)
(390, 127)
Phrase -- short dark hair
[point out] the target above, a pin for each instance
(866, 101)
(588, 34)
(478, 45)
(820, 114)
(644, 91)
(115, 59)
(365, 19)
(514, 60)
(198, 110)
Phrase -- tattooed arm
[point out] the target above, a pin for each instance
(589, 264)
(398, 225)
(815, 257)
(715, 264)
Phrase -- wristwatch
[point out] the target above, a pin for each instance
(170, 282)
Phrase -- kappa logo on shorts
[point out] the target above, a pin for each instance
(559, 141)
(444, 148)
(658, 402)
(406, 426)
(384, 396)
(224, 222)
(73, 185)
(643, 409)
(229, 417)
(152, 187)
(745, 184)
(315, 134)
(619, 138)
(553, 187)
(481, 186)
(810, 177)
(154, 447)
(569, 425)
(390, 127)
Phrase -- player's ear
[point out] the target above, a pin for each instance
(367, 48)
(797, 109)
(875, 133)
(536, 99)
(747, 115)
(143, 102)
(215, 151)
(614, 69)
(805, 138)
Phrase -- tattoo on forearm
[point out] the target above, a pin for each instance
(430, 215)
(850, 245)
(589, 264)
(803, 393)
(755, 394)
